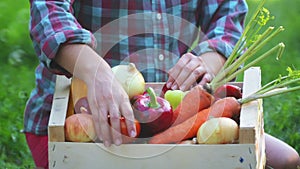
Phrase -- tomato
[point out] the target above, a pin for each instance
(125, 136)
(124, 132)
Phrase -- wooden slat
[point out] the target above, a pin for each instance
(59, 109)
(250, 112)
(251, 119)
(147, 156)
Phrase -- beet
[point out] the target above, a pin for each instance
(82, 106)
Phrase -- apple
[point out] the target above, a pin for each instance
(228, 90)
(174, 97)
(80, 128)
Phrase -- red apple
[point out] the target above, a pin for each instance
(228, 90)
(80, 128)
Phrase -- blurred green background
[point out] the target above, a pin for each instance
(18, 61)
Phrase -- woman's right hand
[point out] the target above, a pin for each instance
(106, 96)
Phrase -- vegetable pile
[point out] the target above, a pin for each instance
(227, 107)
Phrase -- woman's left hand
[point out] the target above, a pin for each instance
(191, 69)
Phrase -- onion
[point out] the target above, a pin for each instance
(220, 130)
(130, 78)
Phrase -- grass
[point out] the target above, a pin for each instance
(15, 89)
(17, 64)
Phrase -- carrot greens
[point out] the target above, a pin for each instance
(281, 85)
(252, 41)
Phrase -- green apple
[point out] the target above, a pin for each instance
(174, 97)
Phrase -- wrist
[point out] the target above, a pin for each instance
(214, 61)
(82, 61)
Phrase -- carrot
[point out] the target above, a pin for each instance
(182, 131)
(226, 107)
(194, 101)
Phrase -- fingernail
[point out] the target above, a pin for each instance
(182, 88)
(106, 144)
(83, 110)
(100, 138)
(169, 85)
(118, 142)
(174, 87)
(132, 133)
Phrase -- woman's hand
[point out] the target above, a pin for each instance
(106, 96)
(191, 69)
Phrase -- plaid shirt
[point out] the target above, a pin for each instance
(152, 34)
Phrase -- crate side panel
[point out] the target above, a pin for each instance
(59, 109)
(88, 155)
(251, 120)
(250, 112)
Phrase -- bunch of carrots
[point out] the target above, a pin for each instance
(199, 104)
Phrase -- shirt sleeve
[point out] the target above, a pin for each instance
(52, 23)
(222, 24)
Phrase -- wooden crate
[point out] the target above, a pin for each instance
(249, 153)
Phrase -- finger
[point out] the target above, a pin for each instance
(114, 116)
(127, 113)
(193, 77)
(97, 125)
(93, 106)
(174, 72)
(104, 126)
(187, 73)
(206, 79)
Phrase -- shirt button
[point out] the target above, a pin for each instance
(158, 16)
(161, 57)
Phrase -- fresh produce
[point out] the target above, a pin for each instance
(195, 100)
(125, 136)
(221, 130)
(190, 141)
(183, 131)
(82, 106)
(174, 97)
(80, 128)
(130, 78)
(78, 89)
(282, 84)
(226, 107)
(154, 113)
(228, 90)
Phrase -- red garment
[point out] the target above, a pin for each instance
(38, 146)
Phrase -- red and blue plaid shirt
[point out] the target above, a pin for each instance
(152, 34)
